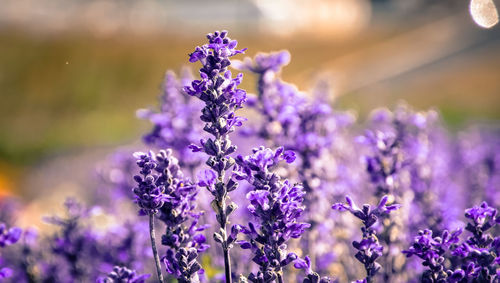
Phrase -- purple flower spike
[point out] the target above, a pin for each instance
(368, 216)
(263, 63)
(176, 124)
(9, 236)
(123, 275)
(6, 273)
(277, 205)
(369, 249)
(482, 215)
(219, 91)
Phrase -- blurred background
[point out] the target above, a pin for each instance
(73, 72)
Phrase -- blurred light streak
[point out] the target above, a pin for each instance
(403, 53)
(316, 17)
(484, 13)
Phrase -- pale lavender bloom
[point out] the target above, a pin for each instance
(176, 125)
(277, 206)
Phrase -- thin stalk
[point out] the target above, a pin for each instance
(222, 212)
(153, 245)
(225, 247)
(280, 278)
(227, 265)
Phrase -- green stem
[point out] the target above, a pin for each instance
(153, 245)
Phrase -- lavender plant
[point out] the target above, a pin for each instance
(163, 189)
(480, 251)
(123, 275)
(176, 124)
(432, 251)
(218, 90)
(308, 127)
(277, 206)
(8, 237)
(478, 256)
(369, 249)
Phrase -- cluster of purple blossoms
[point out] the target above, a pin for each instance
(8, 237)
(123, 275)
(163, 190)
(385, 163)
(310, 128)
(277, 206)
(476, 259)
(432, 251)
(369, 249)
(218, 90)
(150, 188)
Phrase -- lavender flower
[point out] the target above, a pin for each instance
(218, 90)
(277, 205)
(182, 236)
(163, 188)
(308, 127)
(311, 277)
(481, 251)
(478, 254)
(432, 251)
(8, 237)
(72, 245)
(149, 192)
(123, 275)
(383, 167)
(176, 124)
(368, 248)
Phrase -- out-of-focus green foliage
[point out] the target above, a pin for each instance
(66, 91)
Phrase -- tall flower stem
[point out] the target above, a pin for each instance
(227, 265)
(153, 245)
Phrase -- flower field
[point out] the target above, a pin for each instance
(273, 186)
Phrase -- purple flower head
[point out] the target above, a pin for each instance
(149, 191)
(163, 180)
(369, 249)
(183, 264)
(478, 253)
(9, 236)
(482, 215)
(386, 162)
(214, 57)
(123, 275)
(6, 272)
(264, 62)
(431, 249)
(219, 91)
(276, 205)
(366, 214)
(163, 188)
(263, 159)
